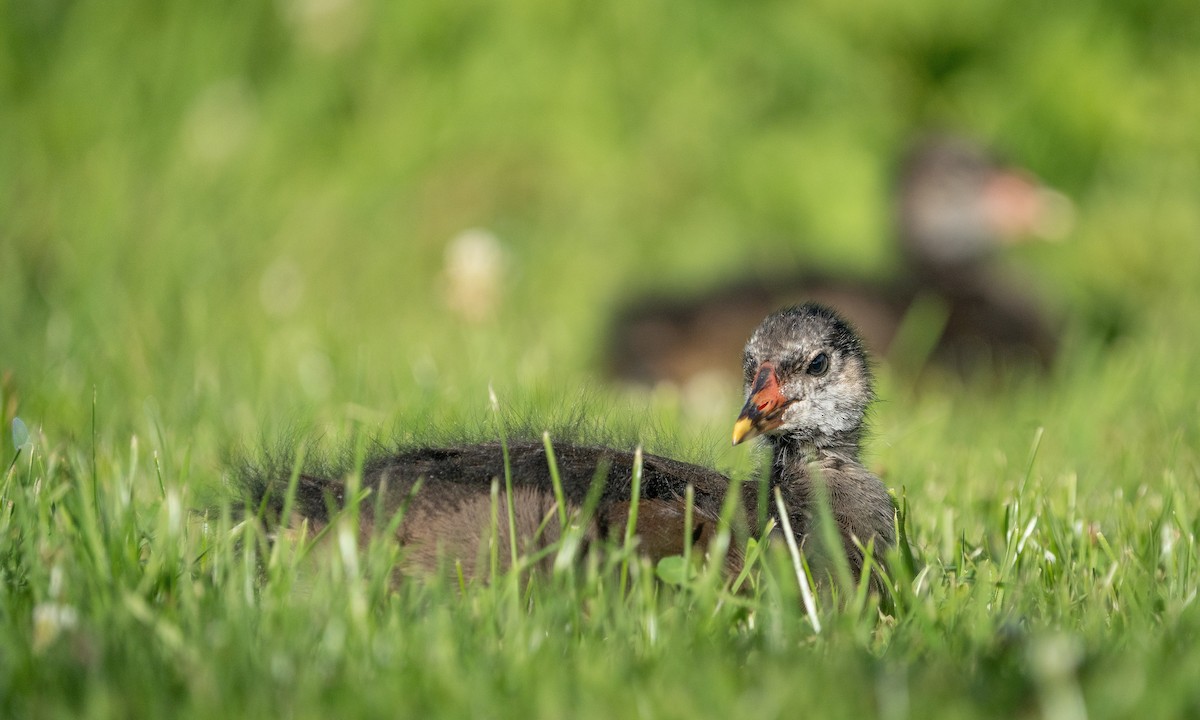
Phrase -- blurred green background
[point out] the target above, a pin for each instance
(223, 214)
(219, 218)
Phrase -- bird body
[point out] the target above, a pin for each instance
(955, 208)
(450, 513)
(808, 386)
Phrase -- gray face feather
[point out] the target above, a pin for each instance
(829, 397)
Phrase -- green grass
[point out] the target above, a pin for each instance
(170, 170)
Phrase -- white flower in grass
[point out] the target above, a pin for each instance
(1167, 535)
(473, 273)
(49, 621)
(174, 507)
(51, 618)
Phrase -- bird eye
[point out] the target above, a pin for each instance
(818, 366)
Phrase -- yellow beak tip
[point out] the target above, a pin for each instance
(742, 429)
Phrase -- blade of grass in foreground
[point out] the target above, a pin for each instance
(689, 502)
(635, 494)
(556, 482)
(806, 593)
(508, 480)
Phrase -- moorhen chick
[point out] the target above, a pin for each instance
(808, 386)
(955, 206)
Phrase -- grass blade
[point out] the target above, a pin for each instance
(806, 592)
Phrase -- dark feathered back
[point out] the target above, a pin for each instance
(449, 513)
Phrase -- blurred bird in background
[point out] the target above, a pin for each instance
(955, 208)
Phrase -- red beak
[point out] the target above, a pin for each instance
(764, 408)
(1019, 207)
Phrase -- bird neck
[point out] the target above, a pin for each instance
(792, 454)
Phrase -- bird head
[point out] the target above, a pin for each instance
(807, 379)
(957, 205)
